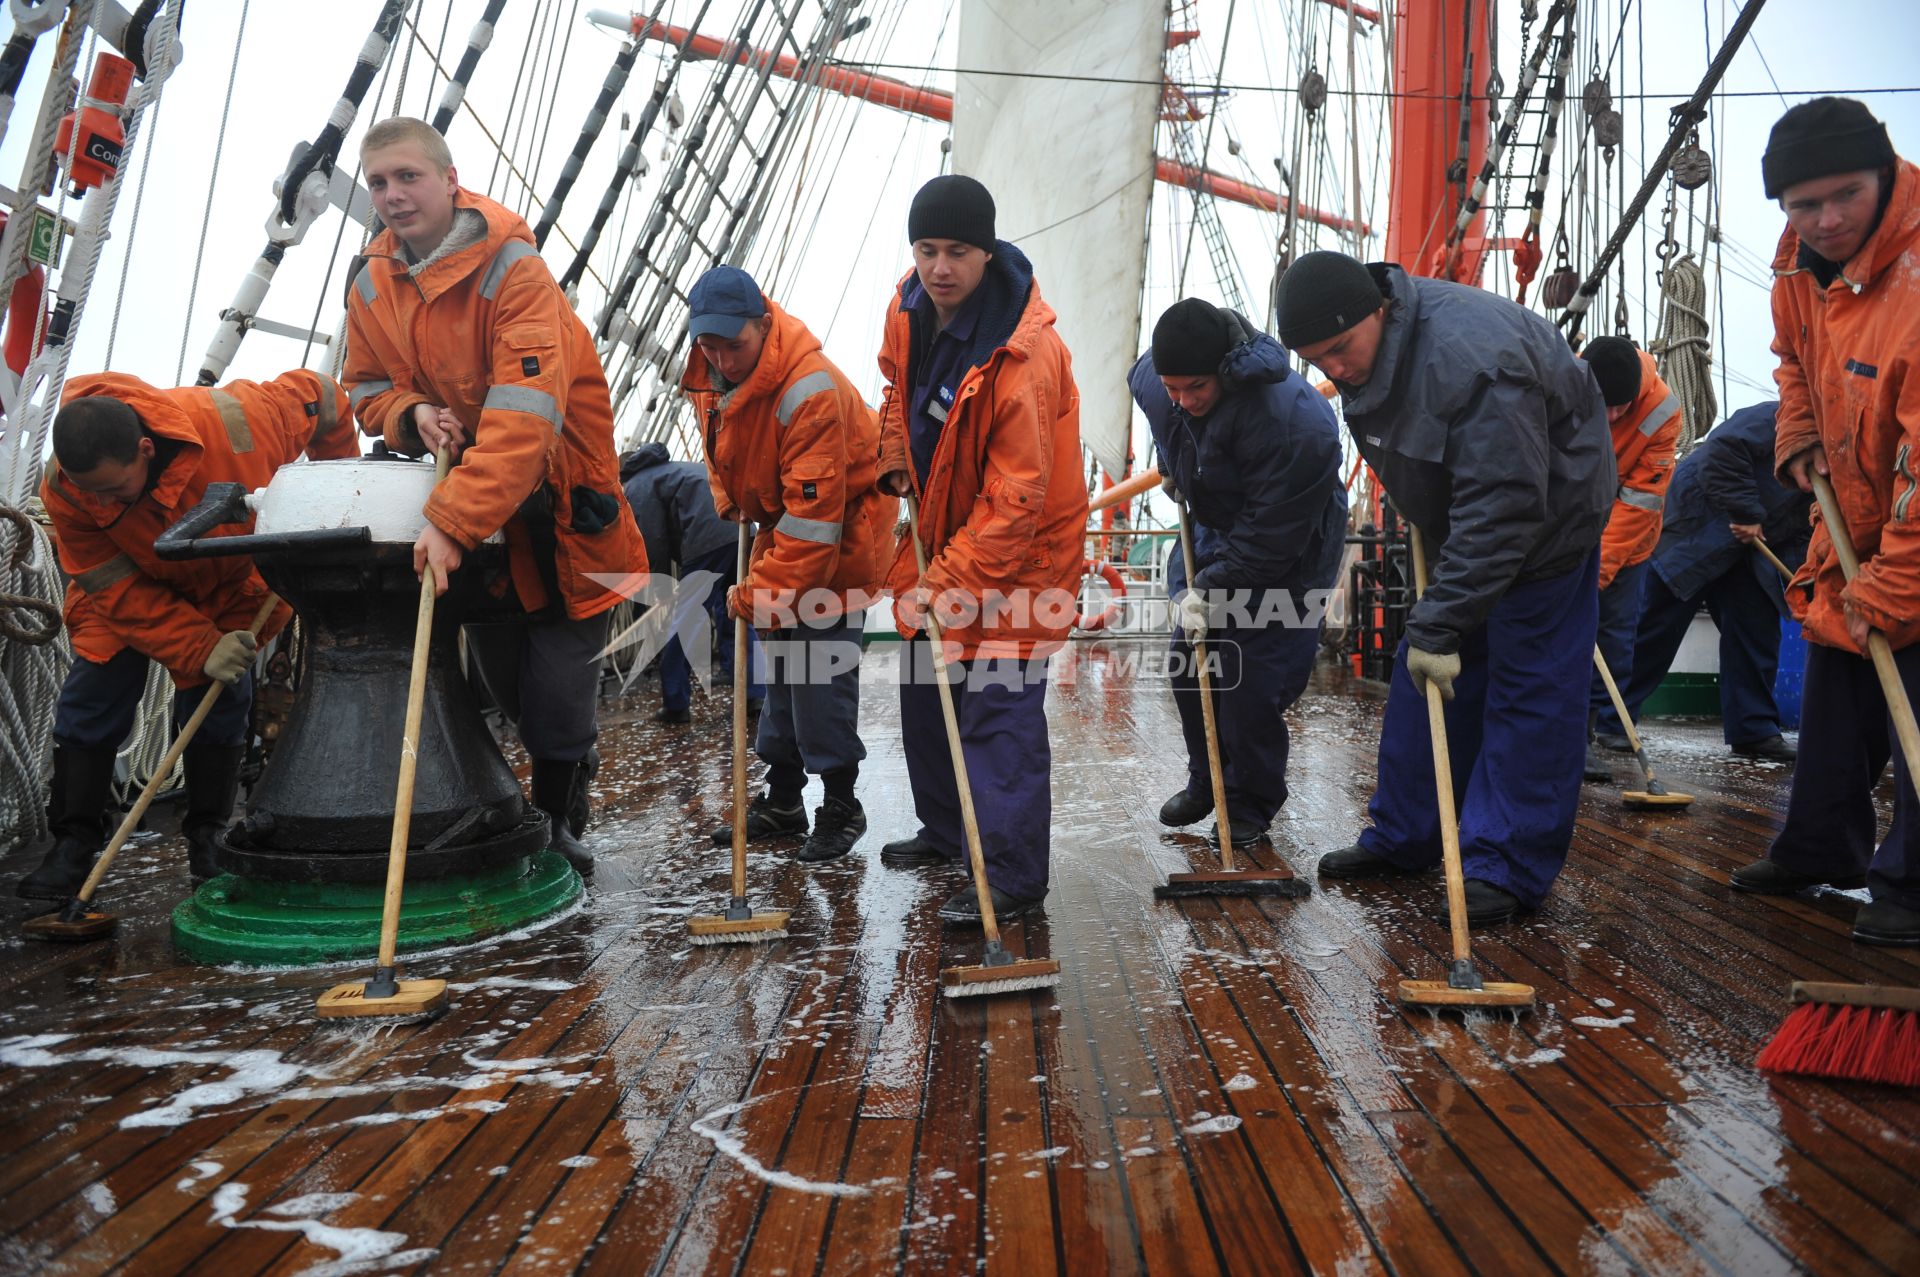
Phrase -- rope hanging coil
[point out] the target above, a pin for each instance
(1683, 349)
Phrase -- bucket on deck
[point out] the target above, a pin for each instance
(1791, 675)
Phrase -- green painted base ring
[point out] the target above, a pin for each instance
(253, 922)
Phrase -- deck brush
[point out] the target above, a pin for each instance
(739, 924)
(1656, 796)
(1230, 879)
(1860, 1032)
(1463, 986)
(999, 971)
(385, 995)
(1854, 1032)
(76, 921)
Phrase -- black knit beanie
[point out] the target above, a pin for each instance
(1191, 338)
(952, 207)
(1821, 138)
(1321, 296)
(1616, 366)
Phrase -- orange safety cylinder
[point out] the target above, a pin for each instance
(24, 312)
(95, 156)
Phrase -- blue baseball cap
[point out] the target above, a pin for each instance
(721, 303)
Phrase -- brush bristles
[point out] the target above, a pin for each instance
(738, 937)
(1859, 1044)
(1020, 984)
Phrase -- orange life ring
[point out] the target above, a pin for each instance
(1115, 583)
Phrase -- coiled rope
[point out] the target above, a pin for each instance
(1683, 350)
(33, 664)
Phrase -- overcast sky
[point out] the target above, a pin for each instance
(292, 61)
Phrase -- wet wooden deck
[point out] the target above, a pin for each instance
(1214, 1086)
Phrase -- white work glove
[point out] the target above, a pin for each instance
(231, 656)
(1431, 667)
(1190, 610)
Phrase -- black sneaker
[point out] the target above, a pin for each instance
(764, 820)
(674, 716)
(913, 853)
(1769, 749)
(1765, 878)
(836, 827)
(1488, 905)
(1357, 862)
(1884, 922)
(963, 907)
(1184, 808)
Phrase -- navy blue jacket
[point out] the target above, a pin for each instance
(1729, 478)
(673, 505)
(1261, 472)
(1491, 436)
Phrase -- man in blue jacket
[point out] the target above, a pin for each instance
(1255, 453)
(684, 534)
(1492, 439)
(1723, 498)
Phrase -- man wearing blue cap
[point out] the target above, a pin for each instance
(790, 445)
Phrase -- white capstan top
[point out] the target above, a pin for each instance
(385, 496)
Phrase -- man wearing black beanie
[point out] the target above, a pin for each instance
(1255, 453)
(1491, 438)
(981, 420)
(1846, 316)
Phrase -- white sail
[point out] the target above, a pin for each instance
(1070, 163)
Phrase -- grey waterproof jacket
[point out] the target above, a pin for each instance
(673, 505)
(1491, 436)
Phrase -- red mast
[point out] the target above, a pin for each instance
(1436, 48)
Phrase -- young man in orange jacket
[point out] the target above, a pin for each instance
(791, 446)
(1846, 318)
(981, 418)
(1645, 419)
(459, 338)
(129, 460)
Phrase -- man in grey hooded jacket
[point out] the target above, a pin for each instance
(1491, 438)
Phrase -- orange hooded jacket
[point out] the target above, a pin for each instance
(1848, 382)
(122, 594)
(1643, 445)
(1003, 513)
(483, 329)
(794, 449)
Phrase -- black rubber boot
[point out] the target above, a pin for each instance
(1595, 768)
(1357, 862)
(580, 804)
(554, 785)
(77, 811)
(1184, 808)
(213, 783)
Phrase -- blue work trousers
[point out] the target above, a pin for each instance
(1001, 706)
(1516, 734)
(1614, 636)
(1749, 624)
(811, 720)
(98, 703)
(1846, 737)
(1258, 673)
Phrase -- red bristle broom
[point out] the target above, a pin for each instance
(1857, 1032)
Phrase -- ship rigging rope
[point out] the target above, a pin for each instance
(206, 215)
(31, 671)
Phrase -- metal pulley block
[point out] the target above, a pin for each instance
(1313, 90)
(1559, 288)
(1608, 128)
(1596, 97)
(1692, 168)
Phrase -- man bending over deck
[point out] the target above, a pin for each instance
(459, 338)
(1846, 320)
(129, 460)
(981, 418)
(792, 446)
(1491, 438)
(1255, 452)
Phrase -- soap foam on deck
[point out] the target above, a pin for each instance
(357, 1250)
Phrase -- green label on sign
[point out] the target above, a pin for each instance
(43, 243)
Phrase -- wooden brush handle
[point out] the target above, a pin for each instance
(1220, 821)
(1857, 995)
(1786, 573)
(188, 730)
(740, 724)
(1443, 784)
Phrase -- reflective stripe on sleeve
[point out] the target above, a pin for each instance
(525, 399)
(819, 531)
(1666, 410)
(1639, 500)
(367, 390)
(112, 572)
(510, 252)
(799, 392)
(234, 418)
